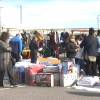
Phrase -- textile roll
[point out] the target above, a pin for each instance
(24, 52)
(39, 36)
(52, 61)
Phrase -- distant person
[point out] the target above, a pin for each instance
(98, 57)
(33, 46)
(5, 61)
(81, 38)
(16, 44)
(90, 44)
(79, 59)
(71, 48)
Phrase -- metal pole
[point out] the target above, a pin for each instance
(0, 17)
(98, 21)
(20, 14)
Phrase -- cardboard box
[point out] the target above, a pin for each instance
(45, 79)
(56, 79)
(76, 69)
(51, 69)
(68, 79)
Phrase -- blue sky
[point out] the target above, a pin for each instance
(51, 13)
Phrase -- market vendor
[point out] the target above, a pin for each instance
(33, 46)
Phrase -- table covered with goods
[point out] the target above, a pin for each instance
(49, 72)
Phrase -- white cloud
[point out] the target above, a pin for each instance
(54, 12)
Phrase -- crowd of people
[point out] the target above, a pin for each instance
(90, 61)
(10, 51)
(89, 45)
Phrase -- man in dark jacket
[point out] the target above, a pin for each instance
(90, 44)
(16, 44)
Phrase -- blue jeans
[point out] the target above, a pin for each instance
(33, 58)
(79, 62)
(72, 59)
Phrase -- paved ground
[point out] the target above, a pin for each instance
(46, 93)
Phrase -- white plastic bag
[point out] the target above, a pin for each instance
(79, 54)
(87, 81)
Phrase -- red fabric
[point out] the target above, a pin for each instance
(38, 42)
(53, 34)
(26, 57)
(57, 53)
(31, 72)
(57, 41)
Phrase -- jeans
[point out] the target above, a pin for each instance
(79, 62)
(33, 58)
(72, 59)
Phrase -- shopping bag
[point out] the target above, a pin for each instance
(79, 54)
(87, 81)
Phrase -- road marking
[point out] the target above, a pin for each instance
(5, 88)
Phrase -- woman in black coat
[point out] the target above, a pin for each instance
(71, 48)
(33, 46)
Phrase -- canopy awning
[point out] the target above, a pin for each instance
(79, 30)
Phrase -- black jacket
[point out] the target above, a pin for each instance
(71, 46)
(33, 46)
(90, 44)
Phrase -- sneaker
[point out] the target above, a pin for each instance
(2, 86)
(14, 86)
(82, 70)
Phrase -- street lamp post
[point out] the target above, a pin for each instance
(0, 18)
(21, 14)
(98, 21)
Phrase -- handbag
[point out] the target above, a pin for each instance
(12, 60)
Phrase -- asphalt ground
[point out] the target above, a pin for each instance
(26, 92)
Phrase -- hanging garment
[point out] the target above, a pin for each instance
(25, 37)
(39, 36)
(52, 42)
(53, 34)
(57, 53)
(38, 42)
(64, 36)
(57, 37)
(28, 40)
(52, 52)
(47, 52)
